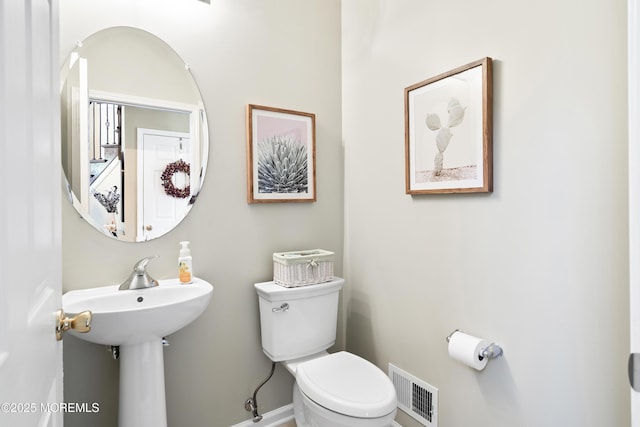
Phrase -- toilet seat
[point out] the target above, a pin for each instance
(347, 384)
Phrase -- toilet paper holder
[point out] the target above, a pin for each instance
(491, 351)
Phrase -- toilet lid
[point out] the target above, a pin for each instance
(347, 384)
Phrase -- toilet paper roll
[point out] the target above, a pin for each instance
(466, 349)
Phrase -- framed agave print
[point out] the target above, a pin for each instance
(281, 155)
(448, 132)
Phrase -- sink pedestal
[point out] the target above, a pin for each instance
(142, 396)
(136, 320)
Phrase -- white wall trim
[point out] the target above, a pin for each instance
(271, 419)
(634, 199)
(278, 417)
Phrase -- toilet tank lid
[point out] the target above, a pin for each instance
(273, 292)
(347, 384)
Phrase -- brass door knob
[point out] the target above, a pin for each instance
(148, 227)
(81, 322)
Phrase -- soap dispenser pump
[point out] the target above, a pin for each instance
(185, 265)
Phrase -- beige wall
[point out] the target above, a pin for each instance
(278, 53)
(541, 264)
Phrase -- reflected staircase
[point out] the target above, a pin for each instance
(104, 135)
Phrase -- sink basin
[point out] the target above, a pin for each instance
(140, 315)
(135, 321)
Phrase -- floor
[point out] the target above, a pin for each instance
(288, 424)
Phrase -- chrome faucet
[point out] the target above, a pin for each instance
(139, 278)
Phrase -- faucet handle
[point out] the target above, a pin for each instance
(140, 267)
(139, 278)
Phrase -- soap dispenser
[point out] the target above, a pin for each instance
(185, 266)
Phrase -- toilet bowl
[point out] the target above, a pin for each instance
(340, 389)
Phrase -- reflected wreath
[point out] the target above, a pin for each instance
(167, 179)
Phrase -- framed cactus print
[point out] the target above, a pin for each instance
(281, 155)
(449, 132)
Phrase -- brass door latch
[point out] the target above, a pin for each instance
(81, 322)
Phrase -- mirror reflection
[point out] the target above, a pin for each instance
(134, 134)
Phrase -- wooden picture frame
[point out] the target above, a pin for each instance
(449, 132)
(281, 155)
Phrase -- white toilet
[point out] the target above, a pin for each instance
(331, 390)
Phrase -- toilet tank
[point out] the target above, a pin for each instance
(298, 322)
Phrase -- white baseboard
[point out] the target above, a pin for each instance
(278, 417)
(273, 418)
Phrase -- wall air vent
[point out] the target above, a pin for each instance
(415, 397)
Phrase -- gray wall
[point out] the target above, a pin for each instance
(541, 264)
(278, 53)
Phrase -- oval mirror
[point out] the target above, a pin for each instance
(134, 134)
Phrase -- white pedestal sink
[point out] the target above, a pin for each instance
(137, 320)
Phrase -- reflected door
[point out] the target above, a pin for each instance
(158, 211)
